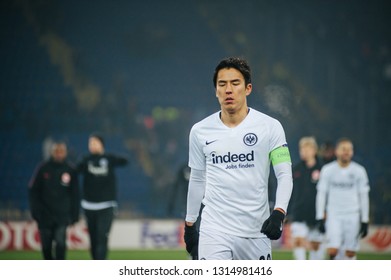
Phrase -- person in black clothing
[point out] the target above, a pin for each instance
(99, 193)
(327, 152)
(179, 192)
(305, 234)
(54, 201)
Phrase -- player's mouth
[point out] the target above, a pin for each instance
(229, 100)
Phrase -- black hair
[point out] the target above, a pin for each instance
(98, 136)
(237, 63)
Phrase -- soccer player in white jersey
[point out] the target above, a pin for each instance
(230, 153)
(305, 234)
(342, 202)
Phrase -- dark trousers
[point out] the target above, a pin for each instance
(99, 225)
(53, 235)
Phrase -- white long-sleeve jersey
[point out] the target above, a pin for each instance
(231, 167)
(342, 191)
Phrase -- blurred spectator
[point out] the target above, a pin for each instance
(54, 201)
(327, 152)
(99, 193)
(342, 203)
(177, 202)
(305, 177)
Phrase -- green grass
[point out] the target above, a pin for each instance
(156, 255)
(113, 255)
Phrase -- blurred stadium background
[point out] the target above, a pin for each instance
(141, 73)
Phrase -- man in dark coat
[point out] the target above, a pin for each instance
(54, 201)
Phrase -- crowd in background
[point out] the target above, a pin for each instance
(322, 70)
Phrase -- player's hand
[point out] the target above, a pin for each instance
(191, 239)
(272, 227)
(363, 230)
(320, 225)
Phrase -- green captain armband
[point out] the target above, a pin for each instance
(279, 155)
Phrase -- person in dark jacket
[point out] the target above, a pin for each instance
(177, 199)
(54, 201)
(99, 193)
(305, 234)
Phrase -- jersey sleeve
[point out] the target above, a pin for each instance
(34, 193)
(277, 136)
(363, 182)
(363, 186)
(283, 173)
(282, 165)
(321, 193)
(279, 151)
(196, 154)
(117, 160)
(195, 194)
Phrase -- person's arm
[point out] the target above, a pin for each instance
(34, 193)
(197, 180)
(321, 194)
(364, 197)
(320, 204)
(283, 173)
(364, 200)
(282, 166)
(75, 198)
(281, 161)
(364, 204)
(118, 160)
(320, 201)
(195, 194)
(81, 166)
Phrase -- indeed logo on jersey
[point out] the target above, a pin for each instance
(233, 159)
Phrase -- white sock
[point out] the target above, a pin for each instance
(351, 258)
(316, 255)
(299, 253)
(340, 255)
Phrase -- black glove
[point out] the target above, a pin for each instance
(320, 225)
(363, 230)
(272, 227)
(191, 240)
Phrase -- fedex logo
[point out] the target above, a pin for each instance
(158, 235)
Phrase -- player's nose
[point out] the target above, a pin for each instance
(228, 89)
